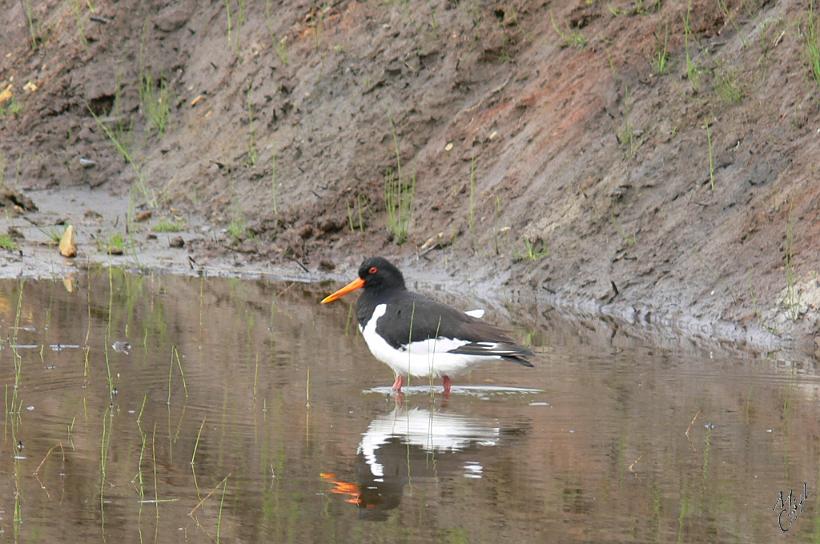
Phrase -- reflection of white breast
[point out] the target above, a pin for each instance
(430, 431)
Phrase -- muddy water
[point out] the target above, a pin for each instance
(293, 440)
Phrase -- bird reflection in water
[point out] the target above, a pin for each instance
(413, 445)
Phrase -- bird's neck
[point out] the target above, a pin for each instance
(371, 298)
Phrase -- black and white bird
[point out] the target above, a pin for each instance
(416, 336)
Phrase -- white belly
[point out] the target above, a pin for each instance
(422, 358)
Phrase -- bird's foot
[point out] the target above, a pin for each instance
(399, 381)
(447, 383)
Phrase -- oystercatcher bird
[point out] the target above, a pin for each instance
(416, 336)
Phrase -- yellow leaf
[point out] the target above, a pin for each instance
(68, 247)
(6, 95)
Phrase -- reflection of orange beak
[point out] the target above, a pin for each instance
(358, 283)
(341, 487)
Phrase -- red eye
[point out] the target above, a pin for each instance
(372, 270)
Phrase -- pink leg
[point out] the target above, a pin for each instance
(446, 382)
(398, 383)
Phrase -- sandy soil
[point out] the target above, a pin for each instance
(555, 159)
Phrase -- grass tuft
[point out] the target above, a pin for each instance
(534, 250)
(7, 243)
(281, 48)
(728, 88)
(11, 107)
(398, 197)
(237, 230)
(156, 102)
(569, 37)
(166, 225)
(355, 214)
(660, 59)
(31, 22)
(628, 138)
(115, 245)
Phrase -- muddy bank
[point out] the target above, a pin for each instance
(203, 253)
(658, 165)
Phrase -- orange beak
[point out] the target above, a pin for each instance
(358, 283)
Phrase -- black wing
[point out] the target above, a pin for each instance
(431, 319)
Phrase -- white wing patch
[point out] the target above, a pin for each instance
(433, 346)
(478, 314)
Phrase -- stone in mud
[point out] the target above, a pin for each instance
(330, 225)
(306, 232)
(174, 16)
(176, 242)
(91, 215)
(144, 215)
(68, 247)
(432, 242)
(16, 199)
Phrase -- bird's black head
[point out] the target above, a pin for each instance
(375, 275)
(379, 273)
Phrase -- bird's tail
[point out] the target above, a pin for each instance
(519, 359)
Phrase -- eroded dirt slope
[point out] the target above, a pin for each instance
(560, 148)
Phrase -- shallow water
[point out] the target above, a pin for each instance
(294, 439)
